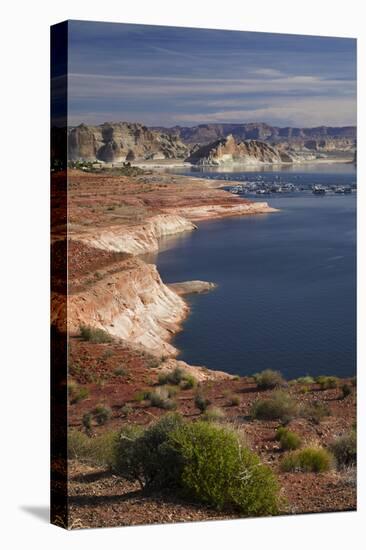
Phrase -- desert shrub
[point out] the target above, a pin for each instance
(315, 411)
(87, 421)
(288, 440)
(327, 382)
(161, 398)
(189, 382)
(141, 395)
(307, 460)
(77, 444)
(76, 393)
(280, 406)
(201, 402)
(346, 390)
(233, 400)
(102, 414)
(95, 335)
(306, 380)
(126, 410)
(214, 414)
(269, 379)
(102, 450)
(344, 449)
(147, 456)
(176, 377)
(219, 471)
(172, 390)
(120, 371)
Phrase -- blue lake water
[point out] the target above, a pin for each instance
(286, 296)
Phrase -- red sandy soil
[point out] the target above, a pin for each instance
(99, 498)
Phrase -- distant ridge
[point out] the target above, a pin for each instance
(206, 133)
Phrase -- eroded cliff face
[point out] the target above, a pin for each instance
(131, 303)
(136, 239)
(117, 142)
(228, 150)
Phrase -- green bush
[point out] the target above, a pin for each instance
(120, 371)
(100, 450)
(327, 382)
(102, 414)
(189, 382)
(201, 402)
(315, 411)
(147, 456)
(94, 335)
(344, 449)
(77, 393)
(87, 421)
(77, 444)
(280, 406)
(214, 414)
(288, 440)
(305, 380)
(307, 460)
(176, 377)
(269, 379)
(161, 398)
(219, 471)
(346, 391)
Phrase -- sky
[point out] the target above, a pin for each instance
(166, 76)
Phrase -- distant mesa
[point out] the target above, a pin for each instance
(122, 141)
(207, 144)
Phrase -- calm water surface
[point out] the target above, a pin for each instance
(286, 283)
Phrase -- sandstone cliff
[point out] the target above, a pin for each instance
(228, 150)
(131, 303)
(122, 141)
(136, 239)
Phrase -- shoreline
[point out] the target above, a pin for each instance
(130, 301)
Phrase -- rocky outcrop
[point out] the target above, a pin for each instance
(136, 239)
(213, 211)
(122, 141)
(230, 151)
(192, 287)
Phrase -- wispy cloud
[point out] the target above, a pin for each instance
(162, 75)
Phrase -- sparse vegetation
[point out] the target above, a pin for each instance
(102, 414)
(120, 371)
(100, 450)
(289, 441)
(315, 411)
(178, 376)
(311, 459)
(306, 380)
(214, 414)
(161, 397)
(201, 402)
(94, 335)
(233, 400)
(344, 449)
(77, 393)
(327, 382)
(269, 379)
(281, 406)
(346, 391)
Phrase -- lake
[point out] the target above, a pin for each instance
(286, 296)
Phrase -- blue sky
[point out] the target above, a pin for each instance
(168, 75)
